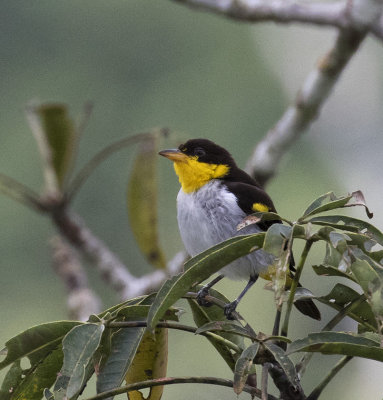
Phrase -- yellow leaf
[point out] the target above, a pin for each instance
(142, 202)
(150, 362)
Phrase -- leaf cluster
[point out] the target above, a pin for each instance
(128, 342)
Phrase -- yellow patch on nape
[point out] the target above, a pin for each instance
(194, 174)
(259, 207)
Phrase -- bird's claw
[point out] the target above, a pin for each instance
(230, 310)
(201, 297)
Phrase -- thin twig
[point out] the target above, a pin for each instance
(337, 367)
(102, 155)
(174, 325)
(298, 117)
(294, 286)
(21, 193)
(171, 381)
(111, 268)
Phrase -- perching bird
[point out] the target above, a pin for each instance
(215, 196)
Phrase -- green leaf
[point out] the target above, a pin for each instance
(11, 380)
(341, 295)
(349, 223)
(276, 237)
(215, 313)
(349, 344)
(371, 281)
(225, 326)
(199, 268)
(319, 204)
(150, 362)
(283, 360)
(36, 342)
(243, 367)
(201, 317)
(329, 270)
(79, 346)
(43, 375)
(19, 192)
(206, 315)
(56, 136)
(329, 201)
(142, 202)
(135, 301)
(367, 277)
(119, 354)
(141, 311)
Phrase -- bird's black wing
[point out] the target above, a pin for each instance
(252, 199)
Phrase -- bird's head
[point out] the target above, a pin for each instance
(198, 161)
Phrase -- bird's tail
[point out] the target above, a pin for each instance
(308, 307)
(305, 306)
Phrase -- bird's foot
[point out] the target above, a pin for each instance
(201, 297)
(230, 310)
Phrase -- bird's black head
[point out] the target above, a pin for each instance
(198, 161)
(207, 151)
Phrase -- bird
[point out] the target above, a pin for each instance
(214, 198)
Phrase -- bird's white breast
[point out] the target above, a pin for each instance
(210, 215)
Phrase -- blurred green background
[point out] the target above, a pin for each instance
(154, 63)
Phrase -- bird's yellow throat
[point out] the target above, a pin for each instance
(193, 174)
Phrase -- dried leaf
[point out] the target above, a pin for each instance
(150, 362)
(142, 202)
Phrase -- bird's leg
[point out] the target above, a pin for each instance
(202, 293)
(230, 307)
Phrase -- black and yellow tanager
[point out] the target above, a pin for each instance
(214, 198)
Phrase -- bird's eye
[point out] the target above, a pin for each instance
(199, 152)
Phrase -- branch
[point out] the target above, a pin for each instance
(175, 325)
(327, 14)
(172, 381)
(353, 19)
(110, 267)
(82, 301)
(298, 117)
(334, 14)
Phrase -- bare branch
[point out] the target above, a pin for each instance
(334, 14)
(327, 14)
(172, 381)
(111, 268)
(297, 118)
(353, 19)
(82, 301)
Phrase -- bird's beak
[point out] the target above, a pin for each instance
(174, 155)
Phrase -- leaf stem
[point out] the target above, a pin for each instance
(102, 155)
(314, 395)
(175, 380)
(294, 286)
(174, 325)
(19, 192)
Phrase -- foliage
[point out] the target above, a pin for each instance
(128, 342)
